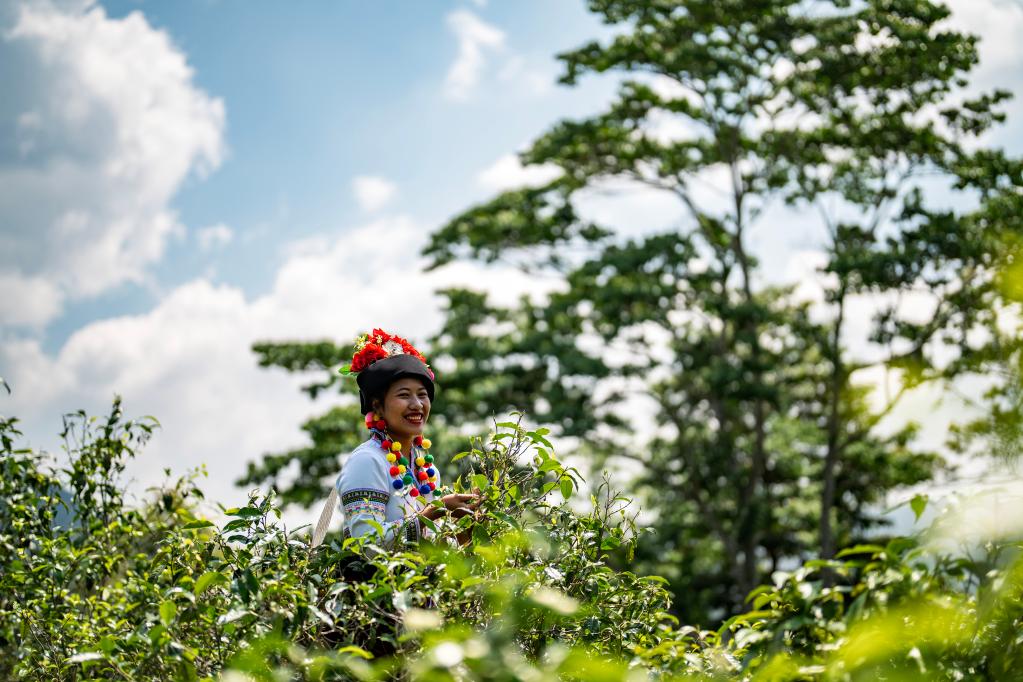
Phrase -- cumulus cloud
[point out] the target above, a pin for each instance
(475, 39)
(105, 130)
(373, 193)
(998, 23)
(507, 172)
(28, 301)
(214, 236)
(189, 362)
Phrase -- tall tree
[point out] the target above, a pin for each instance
(756, 431)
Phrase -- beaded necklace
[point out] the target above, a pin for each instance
(425, 480)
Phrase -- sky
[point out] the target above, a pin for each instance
(180, 180)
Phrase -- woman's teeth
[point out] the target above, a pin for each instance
(414, 418)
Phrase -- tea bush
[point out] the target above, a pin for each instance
(93, 587)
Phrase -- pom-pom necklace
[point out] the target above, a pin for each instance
(413, 481)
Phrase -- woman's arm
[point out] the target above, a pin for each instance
(364, 491)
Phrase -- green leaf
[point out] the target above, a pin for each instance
(208, 580)
(860, 549)
(168, 610)
(918, 504)
(244, 512)
(566, 487)
(234, 615)
(193, 525)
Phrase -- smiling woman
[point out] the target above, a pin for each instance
(389, 483)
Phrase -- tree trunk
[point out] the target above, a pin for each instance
(827, 532)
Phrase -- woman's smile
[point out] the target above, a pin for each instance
(406, 408)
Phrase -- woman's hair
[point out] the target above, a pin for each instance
(375, 379)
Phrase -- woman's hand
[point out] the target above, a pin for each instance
(455, 504)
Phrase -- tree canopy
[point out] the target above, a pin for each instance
(749, 406)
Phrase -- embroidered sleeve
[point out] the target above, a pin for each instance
(363, 496)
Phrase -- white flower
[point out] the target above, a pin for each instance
(393, 348)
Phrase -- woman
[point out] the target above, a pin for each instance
(390, 481)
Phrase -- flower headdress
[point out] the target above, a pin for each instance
(379, 345)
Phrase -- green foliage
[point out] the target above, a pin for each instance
(763, 447)
(155, 592)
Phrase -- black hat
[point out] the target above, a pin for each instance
(377, 378)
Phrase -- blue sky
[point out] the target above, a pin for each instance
(317, 94)
(181, 179)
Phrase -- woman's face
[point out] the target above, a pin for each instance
(406, 407)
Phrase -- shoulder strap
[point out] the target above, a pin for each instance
(325, 516)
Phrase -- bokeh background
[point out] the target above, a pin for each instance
(179, 181)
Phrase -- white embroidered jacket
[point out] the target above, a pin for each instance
(365, 494)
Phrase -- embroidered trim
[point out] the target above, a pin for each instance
(371, 494)
(365, 506)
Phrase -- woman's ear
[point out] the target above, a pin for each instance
(378, 406)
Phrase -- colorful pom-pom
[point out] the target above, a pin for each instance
(423, 481)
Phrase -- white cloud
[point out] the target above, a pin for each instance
(507, 172)
(373, 192)
(188, 361)
(107, 128)
(28, 301)
(214, 236)
(998, 23)
(534, 80)
(475, 39)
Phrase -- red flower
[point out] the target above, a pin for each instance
(372, 349)
(370, 353)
